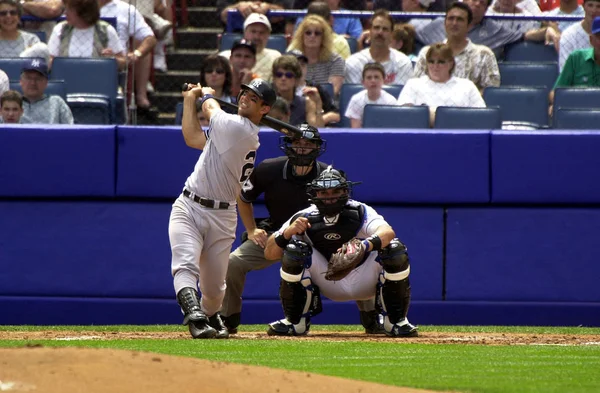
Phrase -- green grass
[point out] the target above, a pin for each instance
(465, 368)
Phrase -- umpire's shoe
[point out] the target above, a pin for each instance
(232, 322)
(216, 323)
(194, 317)
(400, 329)
(284, 327)
(372, 322)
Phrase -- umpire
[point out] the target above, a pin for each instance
(283, 180)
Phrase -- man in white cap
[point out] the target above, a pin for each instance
(257, 29)
(245, 8)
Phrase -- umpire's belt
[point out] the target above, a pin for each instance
(205, 201)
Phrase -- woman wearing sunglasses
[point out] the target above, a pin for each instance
(438, 87)
(13, 41)
(314, 39)
(216, 73)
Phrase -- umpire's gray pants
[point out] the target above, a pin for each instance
(246, 258)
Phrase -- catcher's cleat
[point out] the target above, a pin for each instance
(232, 322)
(216, 323)
(406, 330)
(201, 329)
(284, 327)
(193, 316)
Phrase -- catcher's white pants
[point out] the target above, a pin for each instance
(360, 284)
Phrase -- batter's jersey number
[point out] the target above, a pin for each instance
(249, 166)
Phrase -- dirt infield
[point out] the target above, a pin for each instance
(34, 368)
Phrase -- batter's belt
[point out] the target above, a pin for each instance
(205, 201)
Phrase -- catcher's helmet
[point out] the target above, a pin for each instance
(330, 179)
(309, 133)
(262, 89)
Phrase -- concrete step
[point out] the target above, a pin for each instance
(172, 80)
(187, 59)
(166, 101)
(202, 17)
(198, 37)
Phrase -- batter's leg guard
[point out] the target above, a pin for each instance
(193, 316)
(393, 290)
(232, 322)
(299, 297)
(216, 323)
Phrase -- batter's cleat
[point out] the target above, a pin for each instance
(193, 316)
(216, 323)
(405, 330)
(232, 322)
(284, 327)
(372, 321)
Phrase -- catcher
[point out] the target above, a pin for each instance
(347, 251)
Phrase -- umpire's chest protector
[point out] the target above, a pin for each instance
(328, 238)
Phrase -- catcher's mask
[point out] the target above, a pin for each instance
(330, 179)
(308, 155)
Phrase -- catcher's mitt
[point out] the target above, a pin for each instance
(347, 258)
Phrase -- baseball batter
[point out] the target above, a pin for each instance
(204, 218)
(306, 242)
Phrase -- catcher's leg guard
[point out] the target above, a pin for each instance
(194, 317)
(299, 297)
(393, 290)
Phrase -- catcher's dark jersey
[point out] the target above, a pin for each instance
(285, 193)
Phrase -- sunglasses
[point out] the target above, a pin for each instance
(316, 33)
(287, 74)
(219, 71)
(9, 12)
(437, 61)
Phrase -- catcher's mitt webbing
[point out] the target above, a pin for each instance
(345, 260)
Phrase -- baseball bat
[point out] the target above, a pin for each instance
(271, 122)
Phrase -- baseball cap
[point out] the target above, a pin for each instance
(596, 25)
(426, 3)
(36, 64)
(299, 55)
(243, 43)
(257, 18)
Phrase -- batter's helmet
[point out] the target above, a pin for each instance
(330, 179)
(262, 89)
(309, 133)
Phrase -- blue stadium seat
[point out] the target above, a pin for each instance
(530, 51)
(451, 117)
(349, 89)
(528, 74)
(577, 119)
(276, 41)
(97, 77)
(391, 116)
(55, 87)
(519, 104)
(87, 109)
(576, 97)
(178, 113)
(12, 67)
(353, 44)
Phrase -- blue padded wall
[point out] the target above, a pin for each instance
(523, 254)
(545, 167)
(52, 160)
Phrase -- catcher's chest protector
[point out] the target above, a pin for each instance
(328, 238)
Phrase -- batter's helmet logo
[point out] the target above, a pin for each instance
(333, 236)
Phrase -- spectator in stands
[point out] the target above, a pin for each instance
(582, 68)
(566, 8)
(346, 26)
(257, 29)
(332, 113)
(306, 109)
(11, 108)
(216, 73)
(474, 62)
(373, 76)
(439, 87)
(398, 67)
(39, 107)
(281, 110)
(13, 41)
(408, 5)
(577, 35)
(4, 82)
(403, 40)
(43, 9)
(246, 8)
(202, 119)
(83, 34)
(513, 7)
(131, 25)
(340, 44)
(243, 59)
(314, 39)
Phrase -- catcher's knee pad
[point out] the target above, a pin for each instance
(299, 298)
(393, 287)
(296, 256)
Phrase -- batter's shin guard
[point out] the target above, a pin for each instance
(193, 316)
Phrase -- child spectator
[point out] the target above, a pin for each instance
(373, 75)
(280, 110)
(11, 107)
(403, 39)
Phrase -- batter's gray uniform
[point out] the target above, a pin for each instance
(204, 218)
